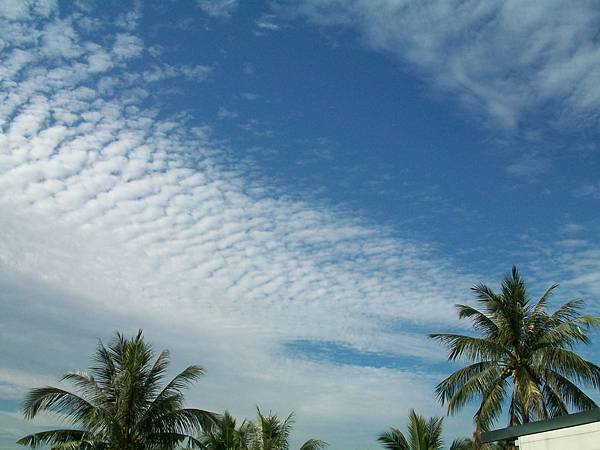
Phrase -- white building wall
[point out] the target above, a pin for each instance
(581, 437)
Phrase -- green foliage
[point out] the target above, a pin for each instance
(422, 434)
(226, 435)
(121, 404)
(469, 444)
(269, 432)
(522, 356)
(273, 433)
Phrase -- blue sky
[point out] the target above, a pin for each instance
(291, 193)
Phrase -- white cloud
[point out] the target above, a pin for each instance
(127, 46)
(571, 228)
(131, 19)
(224, 113)
(588, 190)
(267, 22)
(24, 9)
(529, 165)
(503, 58)
(218, 8)
(113, 218)
(14, 383)
(161, 72)
(249, 96)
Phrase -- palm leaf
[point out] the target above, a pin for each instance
(393, 439)
(57, 400)
(481, 321)
(470, 348)
(314, 444)
(54, 438)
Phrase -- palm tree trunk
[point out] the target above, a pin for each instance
(477, 438)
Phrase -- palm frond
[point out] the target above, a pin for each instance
(183, 420)
(393, 439)
(553, 398)
(54, 438)
(57, 400)
(170, 396)
(488, 298)
(314, 444)
(568, 311)
(540, 305)
(470, 348)
(417, 430)
(172, 440)
(155, 374)
(563, 334)
(104, 368)
(448, 388)
(461, 444)
(182, 380)
(481, 321)
(477, 386)
(571, 365)
(88, 387)
(491, 404)
(433, 431)
(569, 393)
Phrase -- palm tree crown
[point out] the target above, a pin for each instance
(121, 404)
(227, 436)
(272, 433)
(523, 357)
(422, 435)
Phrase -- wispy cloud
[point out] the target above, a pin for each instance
(250, 96)
(267, 23)
(505, 59)
(224, 113)
(529, 165)
(218, 8)
(588, 190)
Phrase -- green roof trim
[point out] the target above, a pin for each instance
(570, 420)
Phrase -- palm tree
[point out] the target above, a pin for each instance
(272, 433)
(120, 404)
(523, 357)
(226, 436)
(422, 435)
(469, 444)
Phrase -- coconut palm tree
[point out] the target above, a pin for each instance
(227, 436)
(121, 404)
(469, 444)
(272, 433)
(523, 357)
(422, 435)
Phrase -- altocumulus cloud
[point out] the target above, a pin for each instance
(113, 217)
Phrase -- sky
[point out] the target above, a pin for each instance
(291, 194)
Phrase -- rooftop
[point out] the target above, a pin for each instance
(570, 420)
